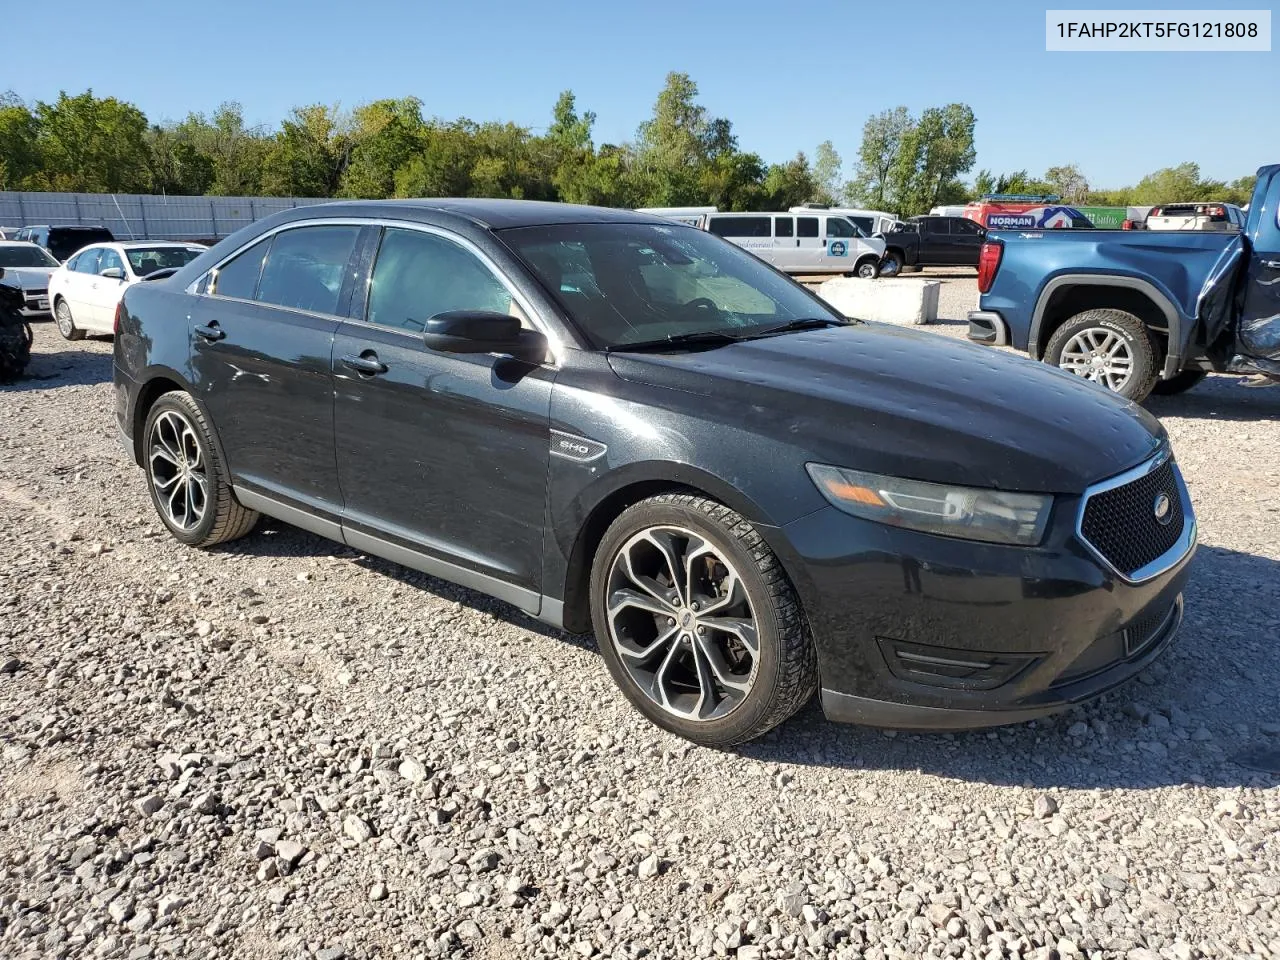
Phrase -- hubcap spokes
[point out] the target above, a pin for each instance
(681, 622)
(1100, 355)
(178, 470)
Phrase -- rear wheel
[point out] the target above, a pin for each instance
(1109, 347)
(1179, 384)
(188, 481)
(697, 622)
(66, 323)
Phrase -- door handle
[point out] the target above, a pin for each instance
(368, 365)
(210, 332)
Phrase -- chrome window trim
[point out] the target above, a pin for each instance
(1171, 557)
(554, 345)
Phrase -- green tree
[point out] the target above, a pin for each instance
(826, 173)
(176, 165)
(678, 142)
(384, 136)
(882, 137)
(790, 184)
(19, 155)
(1173, 184)
(1068, 183)
(304, 157)
(92, 145)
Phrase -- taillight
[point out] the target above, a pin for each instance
(1127, 225)
(115, 323)
(988, 264)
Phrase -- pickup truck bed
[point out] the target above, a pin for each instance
(1166, 306)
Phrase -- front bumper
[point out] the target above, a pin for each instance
(35, 306)
(928, 632)
(987, 326)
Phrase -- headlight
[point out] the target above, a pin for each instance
(992, 516)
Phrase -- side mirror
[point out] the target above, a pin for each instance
(1, 273)
(483, 331)
(112, 273)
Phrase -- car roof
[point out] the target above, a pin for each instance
(133, 244)
(492, 213)
(20, 243)
(63, 226)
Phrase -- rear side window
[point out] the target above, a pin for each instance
(239, 277)
(783, 226)
(965, 227)
(87, 262)
(305, 267)
(741, 226)
(109, 259)
(418, 275)
(806, 226)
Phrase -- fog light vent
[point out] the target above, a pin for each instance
(951, 667)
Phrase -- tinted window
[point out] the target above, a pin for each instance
(806, 226)
(147, 260)
(967, 227)
(628, 283)
(741, 226)
(87, 262)
(109, 259)
(865, 224)
(25, 256)
(418, 275)
(783, 226)
(64, 241)
(239, 277)
(305, 267)
(839, 227)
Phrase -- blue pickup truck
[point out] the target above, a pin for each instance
(1139, 311)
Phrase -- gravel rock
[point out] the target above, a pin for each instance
(357, 828)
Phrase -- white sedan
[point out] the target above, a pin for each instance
(84, 291)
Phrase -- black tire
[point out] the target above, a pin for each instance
(222, 518)
(784, 675)
(1143, 368)
(891, 264)
(65, 321)
(1179, 384)
(868, 268)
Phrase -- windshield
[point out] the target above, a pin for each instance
(145, 260)
(630, 283)
(27, 255)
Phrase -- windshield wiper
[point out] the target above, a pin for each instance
(706, 338)
(803, 323)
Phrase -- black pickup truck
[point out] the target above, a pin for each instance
(931, 242)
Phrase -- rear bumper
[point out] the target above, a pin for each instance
(987, 326)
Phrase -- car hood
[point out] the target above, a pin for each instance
(909, 404)
(28, 278)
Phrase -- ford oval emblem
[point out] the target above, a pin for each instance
(1161, 509)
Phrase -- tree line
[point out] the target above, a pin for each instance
(680, 156)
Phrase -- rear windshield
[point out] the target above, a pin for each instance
(25, 256)
(64, 241)
(145, 260)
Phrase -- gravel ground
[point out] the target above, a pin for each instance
(284, 748)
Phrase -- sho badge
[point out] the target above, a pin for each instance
(575, 448)
(1162, 508)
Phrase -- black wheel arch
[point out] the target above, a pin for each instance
(1066, 295)
(156, 383)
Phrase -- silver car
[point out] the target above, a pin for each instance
(29, 267)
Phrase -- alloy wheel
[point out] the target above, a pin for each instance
(1100, 355)
(682, 624)
(178, 471)
(66, 326)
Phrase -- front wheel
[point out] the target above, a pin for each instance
(867, 269)
(188, 481)
(891, 264)
(1109, 347)
(1180, 383)
(698, 623)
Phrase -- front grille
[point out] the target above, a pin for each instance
(1121, 523)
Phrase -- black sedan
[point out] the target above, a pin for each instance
(618, 423)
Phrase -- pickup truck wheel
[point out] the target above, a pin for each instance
(1179, 384)
(891, 264)
(1110, 347)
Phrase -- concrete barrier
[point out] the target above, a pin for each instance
(911, 302)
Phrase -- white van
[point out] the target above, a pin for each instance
(870, 222)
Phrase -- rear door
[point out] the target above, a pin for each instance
(78, 281)
(754, 233)
(441, 454)
(966, 241)
(261, 343)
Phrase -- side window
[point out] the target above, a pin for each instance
(938, 225)
(87, 262)
(839, 227)
(109, 259)
(741, 227)
(806, 226)
(239, 277)
(71, 264)
(418, 275)
(783, 226)
(965, 228)
(865, 224)
(305, 267)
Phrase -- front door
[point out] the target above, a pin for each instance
(441, 454)
(104, 292)
(261, 343)
(839, 244)
(1258, 336)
